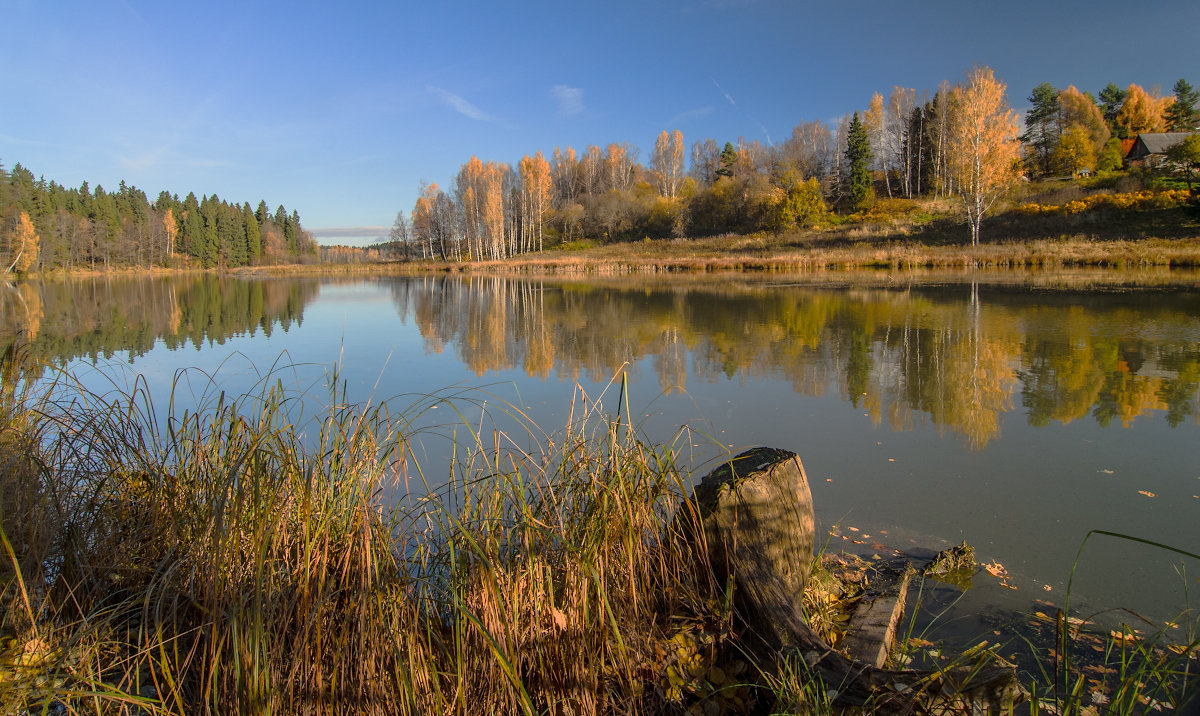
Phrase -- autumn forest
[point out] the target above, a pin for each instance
(963, 144)
(964, 141)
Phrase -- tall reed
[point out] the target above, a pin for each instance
(225, 560)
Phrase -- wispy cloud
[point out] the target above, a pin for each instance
(460, 105)
(692, 114)
(570, 100)
(732, 103)
(727, 95)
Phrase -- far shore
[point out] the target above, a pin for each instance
(862, 248)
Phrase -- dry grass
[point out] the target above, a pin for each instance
(219, 564)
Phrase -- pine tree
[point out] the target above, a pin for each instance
(1111, 99)
(1182, 115)
(1043, 125)
(858, 159)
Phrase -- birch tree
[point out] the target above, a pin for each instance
(984, 151)
(667, 162)
(900, 105)
(535, 198)
(24, 245)
(873, 122)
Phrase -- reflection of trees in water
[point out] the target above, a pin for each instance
(956, 356)
(63, 320)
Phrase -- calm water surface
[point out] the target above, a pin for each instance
(1016, 413)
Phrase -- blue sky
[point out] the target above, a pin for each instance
(340, 110)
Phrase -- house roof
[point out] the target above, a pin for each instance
(1156, 143)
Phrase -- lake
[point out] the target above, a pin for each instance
(1013, 411)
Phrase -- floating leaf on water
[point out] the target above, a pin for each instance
(1147, 493)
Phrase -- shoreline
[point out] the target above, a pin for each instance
(747, 255)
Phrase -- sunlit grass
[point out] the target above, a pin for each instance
(223, 562)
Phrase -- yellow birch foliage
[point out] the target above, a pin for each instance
(538, 185)
(1142, 113)
(984, 152)
(1075, 151)
(25, 245)
(873, 121)
(493, 208)
(171, 228)
(667, 161)
(1079, 110)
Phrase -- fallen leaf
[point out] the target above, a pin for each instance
(1048, 588)
(1106, 472)
(1147, 493)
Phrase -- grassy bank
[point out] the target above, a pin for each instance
(229, 561)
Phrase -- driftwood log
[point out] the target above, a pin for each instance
(760, 528)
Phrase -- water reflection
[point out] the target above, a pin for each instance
(64, 320)
(960, 356)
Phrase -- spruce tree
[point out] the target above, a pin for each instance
(728, 161)
(1182, 115)
(858, 159)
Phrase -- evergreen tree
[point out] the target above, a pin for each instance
(253, 233)
(192, 229)
(1111, 99)
(728, 161)
(1182, 115)
(1042, 125)
(858, 161)
(210, 242)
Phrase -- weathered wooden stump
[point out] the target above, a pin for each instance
(759, 524)
(758, 517)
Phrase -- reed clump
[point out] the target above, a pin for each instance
(227, 560)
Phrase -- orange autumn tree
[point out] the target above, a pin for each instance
(24, 245)
(1141, 113)
(171, 228)
(984, 151)
(1079, 110)
(535, 197)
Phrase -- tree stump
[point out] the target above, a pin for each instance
(759, 524)
(758, 518)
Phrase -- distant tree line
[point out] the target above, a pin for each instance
(908, 145)
(44, 225)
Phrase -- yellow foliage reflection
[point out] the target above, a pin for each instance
(959, 356)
